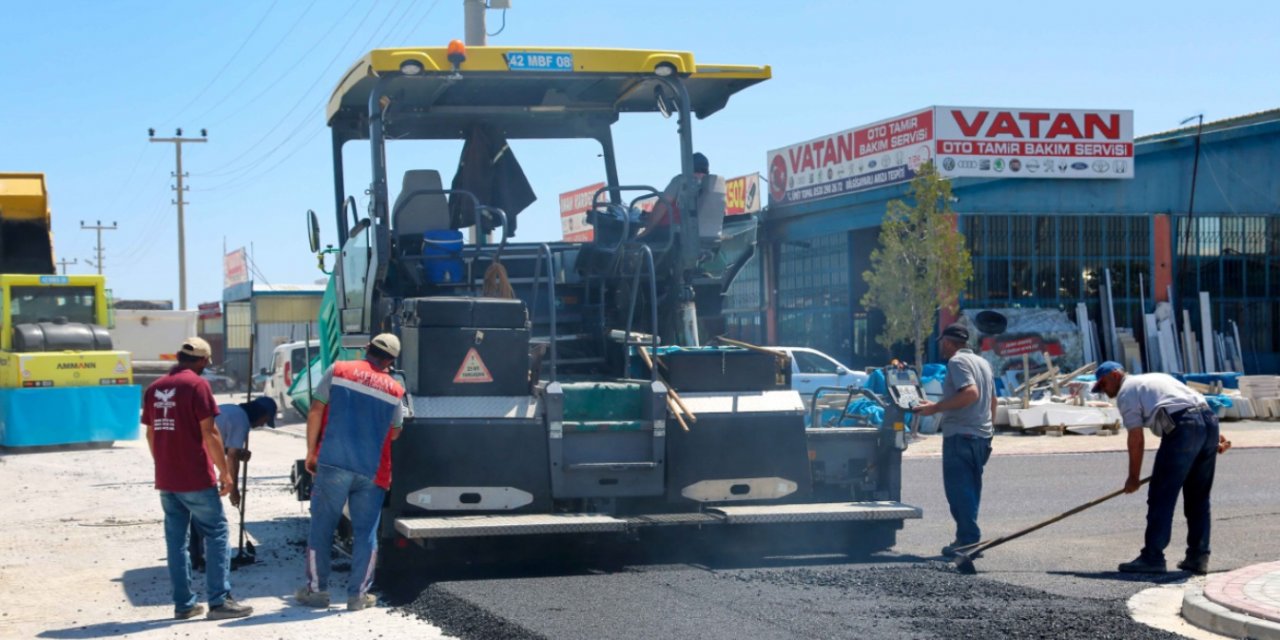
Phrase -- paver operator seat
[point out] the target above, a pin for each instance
(412, 216)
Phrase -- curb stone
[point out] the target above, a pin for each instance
(1203, 613)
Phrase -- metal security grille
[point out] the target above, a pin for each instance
(1235, 258)
(1023, 260)
(813, 295)
(744, 304)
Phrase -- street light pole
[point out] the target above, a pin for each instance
(1191, 203)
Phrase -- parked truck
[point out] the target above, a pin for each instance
(61, 379)
(152, 338)
(535, 413)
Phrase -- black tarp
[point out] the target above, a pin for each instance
(488, 169)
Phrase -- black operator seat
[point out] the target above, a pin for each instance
(412, 216)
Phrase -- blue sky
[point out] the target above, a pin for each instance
(83, 80)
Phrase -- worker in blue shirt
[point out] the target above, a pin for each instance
(233, 422)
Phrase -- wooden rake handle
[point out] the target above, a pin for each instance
(1062, 516)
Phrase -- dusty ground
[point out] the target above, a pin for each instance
(82, 552)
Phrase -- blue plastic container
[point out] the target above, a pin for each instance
(442, 255)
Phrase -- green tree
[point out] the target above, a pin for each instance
(921, 265)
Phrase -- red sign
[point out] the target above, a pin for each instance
(209, 310)
(1034, 143)
(235, 269)
(875, 155)
(1018, 346)
(574, 206)
(742, 195)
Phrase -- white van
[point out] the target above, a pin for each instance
(287, 361)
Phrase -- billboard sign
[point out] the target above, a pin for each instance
(742, 195)
(879, 154)
(987, 142)
(235, 268)
(574, 206)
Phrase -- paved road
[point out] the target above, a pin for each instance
(1059, 582)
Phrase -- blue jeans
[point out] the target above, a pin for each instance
(332, 488)
(204, 510)
(963, 458)
(1184, 463)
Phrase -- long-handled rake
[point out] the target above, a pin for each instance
(966, 554)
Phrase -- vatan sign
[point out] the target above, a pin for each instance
(574, 206)
(987, 142)
(875, 155)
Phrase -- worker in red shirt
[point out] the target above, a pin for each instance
(178, 411)
(666, 211)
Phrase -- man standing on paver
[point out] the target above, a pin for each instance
(178, 410)
(355, 413)
(967, 409)
(1185, 462)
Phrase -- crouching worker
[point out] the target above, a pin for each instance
(1185, 462)
(233, 422)
(355, 413)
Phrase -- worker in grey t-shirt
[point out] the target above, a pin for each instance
(967, 411)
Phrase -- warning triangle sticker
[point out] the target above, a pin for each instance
(472, 370)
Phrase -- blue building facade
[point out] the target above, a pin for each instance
(1046, 243)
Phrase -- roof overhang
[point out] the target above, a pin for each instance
(581, 102)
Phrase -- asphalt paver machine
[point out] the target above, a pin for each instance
(547, 408)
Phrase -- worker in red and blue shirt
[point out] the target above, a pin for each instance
(356, 412)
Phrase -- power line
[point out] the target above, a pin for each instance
(288, 70)
(64, 262)
(219, 171)
(238, 173)
(226, 64)
(262, 59)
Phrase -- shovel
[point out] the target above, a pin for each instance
(964, 561)
(247, 553)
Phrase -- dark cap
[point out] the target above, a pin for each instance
(260, 406)
(701, 164)
(1105, 369)
(956, 331)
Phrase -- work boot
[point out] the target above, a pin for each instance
(1142, 565)
(317, 599)
(1198, 565)
(189, 613)
(362, 601)
(229, 609)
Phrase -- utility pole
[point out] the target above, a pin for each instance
(64, 262)
(473, 13)
(177, 141)
(475, 34)
(99, 227)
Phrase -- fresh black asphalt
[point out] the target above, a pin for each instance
(1059, 582)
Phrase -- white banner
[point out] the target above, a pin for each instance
(989, 142)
